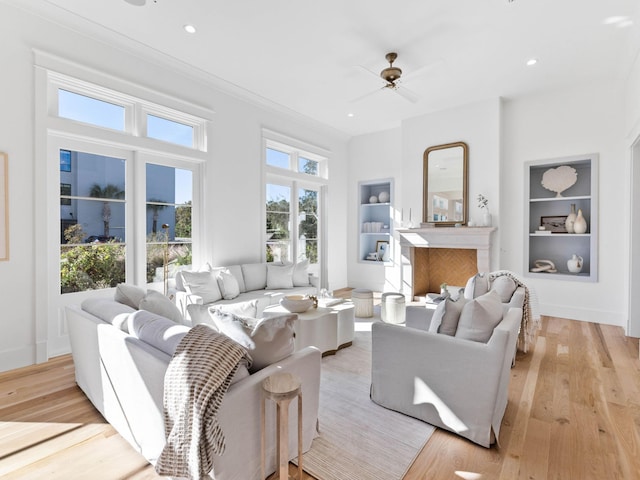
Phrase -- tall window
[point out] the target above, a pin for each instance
(100, 243)
(92, 223)
(169, 202)
(295, 178)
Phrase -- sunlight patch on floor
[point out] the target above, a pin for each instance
(469, 475)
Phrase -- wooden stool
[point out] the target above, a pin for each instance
(281, 388)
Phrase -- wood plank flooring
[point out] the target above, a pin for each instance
(573, 413)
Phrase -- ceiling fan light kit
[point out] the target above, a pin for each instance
(391, 73)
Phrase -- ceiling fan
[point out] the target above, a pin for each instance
(392, 80)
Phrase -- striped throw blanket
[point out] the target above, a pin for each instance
(195, 383)
(530, 315)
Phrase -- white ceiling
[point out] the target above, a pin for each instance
(304, 54)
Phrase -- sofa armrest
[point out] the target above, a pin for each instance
(184, 299)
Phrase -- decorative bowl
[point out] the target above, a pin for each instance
(296, 303)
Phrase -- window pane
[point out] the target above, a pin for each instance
(278, 209)
(307, 166)
(90, 110)
(276, 158)
(169, 206)
(169, 131)
(65, 161)
(308, 225)
(92, 222)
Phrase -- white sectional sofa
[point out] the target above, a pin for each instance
(122, 374)
(264, 283)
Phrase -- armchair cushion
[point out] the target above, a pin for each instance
(505, 286)
(476, 286)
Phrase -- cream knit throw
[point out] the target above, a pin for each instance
(530, 315)
(196, 380)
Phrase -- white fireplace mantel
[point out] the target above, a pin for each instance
(474, 238)
(478, 238)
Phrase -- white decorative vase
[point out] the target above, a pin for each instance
(574, 264)
(373, 199)
(486, 218)
(571, 218)
(580, 225)
(383, 197)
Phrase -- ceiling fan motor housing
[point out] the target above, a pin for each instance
(391, 73)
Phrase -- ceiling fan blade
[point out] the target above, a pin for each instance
(407, 94)
(368, 94)
(421, 70)
(370, 72)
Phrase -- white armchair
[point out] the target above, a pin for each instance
(453, 383)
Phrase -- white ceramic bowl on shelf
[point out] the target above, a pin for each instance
(296, 303)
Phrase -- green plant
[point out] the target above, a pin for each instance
(91, 267)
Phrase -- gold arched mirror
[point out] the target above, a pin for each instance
(445, 184)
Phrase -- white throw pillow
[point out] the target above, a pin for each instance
(242, 309)
(479, 317)
(446, 316)
(229, 287)
(255, 276)
(129, 294)
(301, 274)
(267, 340)
(200, 314)
(159, 304)
(476, 286)
(203, 284)
(505, 286)
(279, 276)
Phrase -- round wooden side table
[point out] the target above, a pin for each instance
(281, 388)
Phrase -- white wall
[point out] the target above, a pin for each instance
(578, 120)
(399, 153)
(502, 135)
(233, 191)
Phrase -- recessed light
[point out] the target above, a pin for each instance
(189, 28)
(531, 62)
(351, 115)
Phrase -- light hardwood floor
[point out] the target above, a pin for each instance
(573, 413)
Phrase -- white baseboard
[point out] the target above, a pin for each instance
(584, 314)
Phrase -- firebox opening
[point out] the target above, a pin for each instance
(435, 266)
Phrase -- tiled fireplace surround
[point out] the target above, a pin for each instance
(435, 255)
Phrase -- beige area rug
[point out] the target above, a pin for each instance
(360, 440)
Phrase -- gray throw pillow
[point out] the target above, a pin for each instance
(159, 304)
(446, 316)
(476, 286)
(505, 286)
(479, 317)
(129, 295)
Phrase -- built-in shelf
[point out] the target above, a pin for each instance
(375, 220)
(543, 204)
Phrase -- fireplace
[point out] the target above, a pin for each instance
(436, 255)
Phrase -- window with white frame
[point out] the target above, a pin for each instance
(109, 146)
(295, 179)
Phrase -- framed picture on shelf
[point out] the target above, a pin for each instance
(382, 249)
(554, 224)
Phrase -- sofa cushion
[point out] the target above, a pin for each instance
(236, 271)
(157, 330)
(505, 286)
(255, 276)
(129, 294)
(476, 286)
(479, 317)
(279, 276)
(446, 316)
(267, 340)
(301, 274)
(159, 304)
(203, 284)
(110, 311)
(228, 284)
